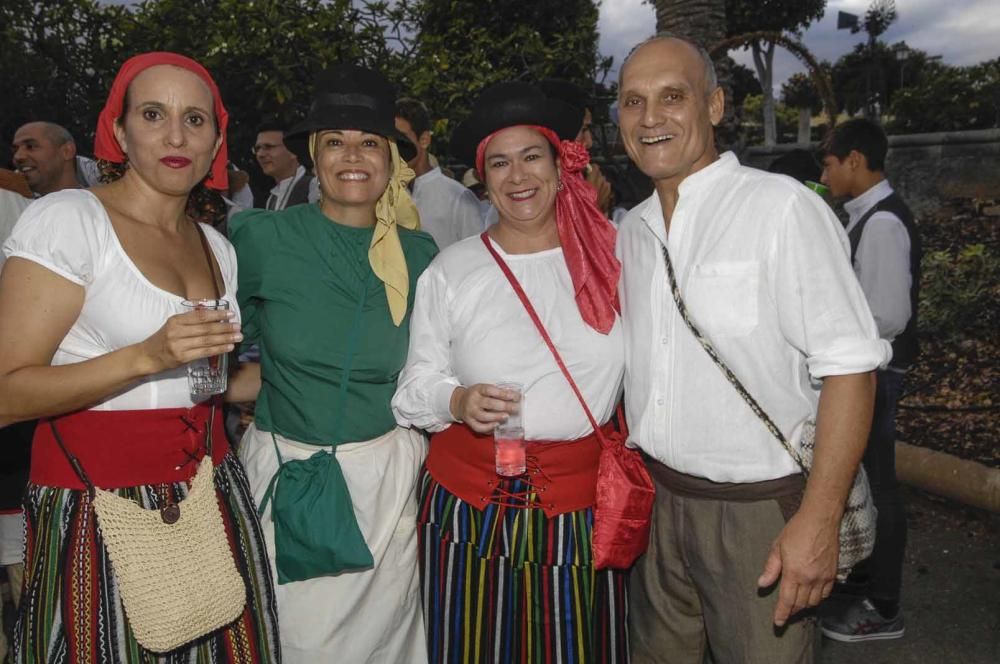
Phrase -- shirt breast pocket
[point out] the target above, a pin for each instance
(722, 297)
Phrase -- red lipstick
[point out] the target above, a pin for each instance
(175, 162)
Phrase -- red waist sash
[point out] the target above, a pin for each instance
(563, 474)
(123, 448)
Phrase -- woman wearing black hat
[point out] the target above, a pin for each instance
(507, 562)
(325, 291)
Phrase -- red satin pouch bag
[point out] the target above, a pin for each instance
(624, 498)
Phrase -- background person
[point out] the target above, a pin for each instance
(506, 564)
(292, 184)
(885, 252)
(447, 210)
(45, 154)
(326, 291)
(105, 359)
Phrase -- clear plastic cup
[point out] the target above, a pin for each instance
(207, 376)
(508, 438)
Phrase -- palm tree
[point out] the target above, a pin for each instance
(703, 21)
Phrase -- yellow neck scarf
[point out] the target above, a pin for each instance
(385, 254)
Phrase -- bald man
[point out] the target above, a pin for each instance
(45, 154)
(741, 542)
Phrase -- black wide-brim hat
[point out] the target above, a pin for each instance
(350, 97)
(507, 105)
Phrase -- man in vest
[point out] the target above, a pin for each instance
(293, 185)
(885, 252)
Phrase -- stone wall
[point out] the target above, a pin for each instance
(928, 169)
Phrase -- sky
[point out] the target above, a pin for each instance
(964, 32)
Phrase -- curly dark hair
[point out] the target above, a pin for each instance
(204, 205)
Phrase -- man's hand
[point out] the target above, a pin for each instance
(804, 557)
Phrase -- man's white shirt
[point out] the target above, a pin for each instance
(762, 265)
(278, 197)
(448, 211)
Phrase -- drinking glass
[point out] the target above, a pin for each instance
(207, 376)
(508, 437)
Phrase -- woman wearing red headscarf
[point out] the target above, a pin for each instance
(507, 562)
(96, 345)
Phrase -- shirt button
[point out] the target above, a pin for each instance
(664, 340)
(659, 402)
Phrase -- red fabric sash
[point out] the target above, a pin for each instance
(563, 474)
(126, 448)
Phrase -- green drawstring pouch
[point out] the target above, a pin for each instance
(315, 530)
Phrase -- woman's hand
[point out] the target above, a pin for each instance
(483, 406)
(187, 337)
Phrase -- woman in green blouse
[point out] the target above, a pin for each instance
(326, 292)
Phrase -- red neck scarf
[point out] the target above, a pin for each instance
(586, 235)
(106, 145)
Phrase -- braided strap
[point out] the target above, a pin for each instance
(857, 526)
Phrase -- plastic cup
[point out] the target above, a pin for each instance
(820, 189)
(207, 376)
(508, 438)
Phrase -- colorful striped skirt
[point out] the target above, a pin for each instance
(507, 584)
(71, 611)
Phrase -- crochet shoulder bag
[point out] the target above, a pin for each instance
(857, 526)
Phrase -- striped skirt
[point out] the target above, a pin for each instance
(509, 585)
(71, 611)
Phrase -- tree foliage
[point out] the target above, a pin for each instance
(949, 99)
(58, 57)
(892, 66)
(799, 91)
(746, 16)
(54, 62)
(462, 48)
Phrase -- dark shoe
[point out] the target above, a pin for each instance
(859, 621)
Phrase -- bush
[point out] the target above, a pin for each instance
(959, 292)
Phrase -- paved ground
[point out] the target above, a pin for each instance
(951, 599)
(951, 595)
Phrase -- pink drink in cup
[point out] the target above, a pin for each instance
(508, 438)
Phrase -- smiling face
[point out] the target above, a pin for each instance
(43, 161)
(521, 176)
(168, 129)
(353, 167)
(666, 114)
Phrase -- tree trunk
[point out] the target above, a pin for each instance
(703, 21)
(763, 61)
(805, 126)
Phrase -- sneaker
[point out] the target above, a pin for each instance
(859, 621)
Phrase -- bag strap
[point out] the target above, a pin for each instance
(208, 258)
(541, 329)
(733, 380)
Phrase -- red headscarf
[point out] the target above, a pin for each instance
(586, 235)
(106, 145)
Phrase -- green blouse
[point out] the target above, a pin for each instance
(310, 299)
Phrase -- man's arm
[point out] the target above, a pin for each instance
(804, 555)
